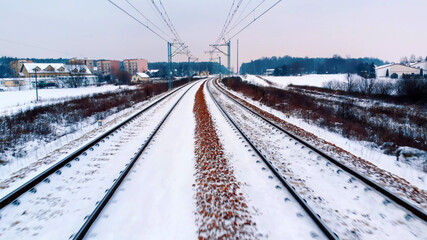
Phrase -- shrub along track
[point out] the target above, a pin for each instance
(392, 182)
(223, 213)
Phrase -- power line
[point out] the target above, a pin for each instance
(256, 19)
(238, 23)
(33, 46)
(130, 15)
(167, 15)
(232, 16)
(148, 19)
(164, 19)
(225, 23)
(244, 9)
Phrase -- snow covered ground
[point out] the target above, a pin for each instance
(358, 148)
(13, 101)
(41, 156)
(342, 201)
(314, 80)
(260, 187)
(73, 194)
(156, 199)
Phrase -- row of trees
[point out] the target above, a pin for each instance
(412, 59)
(285, 66)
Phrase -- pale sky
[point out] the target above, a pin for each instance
(387, 29)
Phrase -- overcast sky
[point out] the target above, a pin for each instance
(387, 29)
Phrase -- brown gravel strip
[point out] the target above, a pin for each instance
(221, 208)
(394, 183)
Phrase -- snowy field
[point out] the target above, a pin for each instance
(13, 101)
(314, 80)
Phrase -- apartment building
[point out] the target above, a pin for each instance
(134, 66)
(88, 62)
(108, 67)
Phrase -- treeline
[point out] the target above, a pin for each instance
(287, 65)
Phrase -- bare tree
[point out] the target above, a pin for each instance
(404, 60)
(384, 87)
(76, 75)
(350, 83)
(412, 58)
(366, 85)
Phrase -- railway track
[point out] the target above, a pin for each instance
(100, 205)
(314, 216)
(97, 151)
(13, 196)
(389, 197)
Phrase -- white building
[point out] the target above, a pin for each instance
(57, 73)
(420, 65)
(389, 69)
(140, 77)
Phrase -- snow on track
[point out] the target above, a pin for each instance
(58, 208)
(347, 206)
(276, 213)
(156, 199)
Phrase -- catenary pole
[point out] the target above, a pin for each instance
(237, 56)
(170, 64)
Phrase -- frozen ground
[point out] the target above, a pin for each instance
(343, 202)
(362, 149)
(13, 101)
(314, 80)
(72, 195)
(156, 199)
(41, 156)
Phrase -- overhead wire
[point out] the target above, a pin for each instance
(244, 18)
(148, 20)
(256, 18)
(145, 25)
(225, 23)
(232, 16)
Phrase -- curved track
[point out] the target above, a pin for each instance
(403, 203)
(100, 205)
(379, 190)
(314, 216)
(71, 192)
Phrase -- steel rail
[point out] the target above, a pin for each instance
(31, 184)
(100, 205)
(386, 193)
(303, 203)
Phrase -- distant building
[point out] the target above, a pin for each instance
(58, 72)
(49, 70)
(16, 66)
(134, 66)
(420, 65)
(88, 62)
(399, 69)
(140, 77)
(269, 72)
(11, 82)
(108, 67)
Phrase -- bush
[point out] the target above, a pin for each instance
(413, 88)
